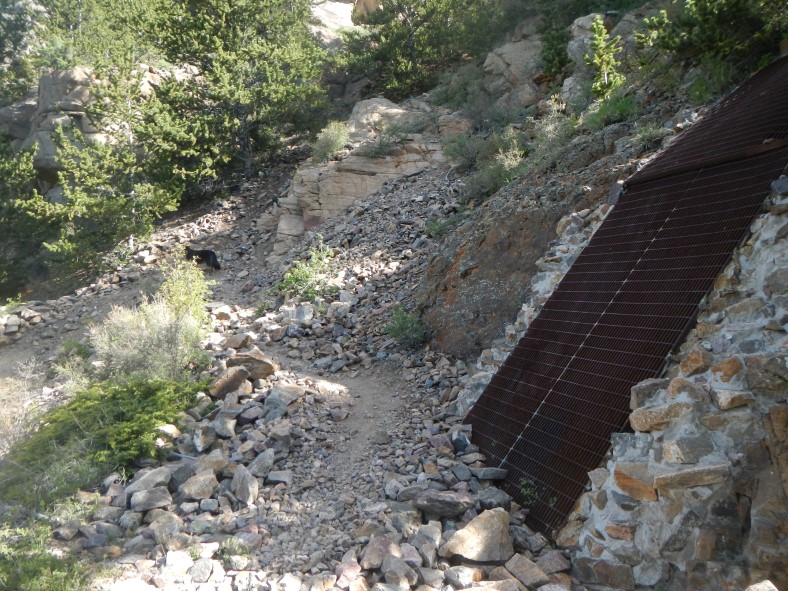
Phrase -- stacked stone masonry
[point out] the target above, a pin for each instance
(695, 497)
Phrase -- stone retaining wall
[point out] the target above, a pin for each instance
(696, 495)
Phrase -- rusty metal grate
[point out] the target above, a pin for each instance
(629, 299)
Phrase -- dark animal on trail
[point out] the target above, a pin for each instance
(206, 256)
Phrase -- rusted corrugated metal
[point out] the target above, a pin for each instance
(629, 300)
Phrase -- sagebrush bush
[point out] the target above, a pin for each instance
(151, 341)
(497, 160)
(185, 289)
(161, 337)
(330, 140)
(104, 427)
(406, 328)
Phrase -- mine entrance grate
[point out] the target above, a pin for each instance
(629, 300)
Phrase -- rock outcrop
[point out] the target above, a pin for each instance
(321, 191)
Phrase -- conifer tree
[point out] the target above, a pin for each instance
(258, 66)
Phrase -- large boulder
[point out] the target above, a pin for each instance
(510, 71)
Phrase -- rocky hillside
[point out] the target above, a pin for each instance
(327, 455)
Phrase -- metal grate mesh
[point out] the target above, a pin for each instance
(629, 300)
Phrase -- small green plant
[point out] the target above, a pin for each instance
(439, 228)
(330, 140)
(185, 289)
(714, 77)
(497, 160)
(406, 328)
(529, 493)
(195, 551)
(11, 304)
(307, 279)
(384, 143)
(651, 136)
(73, 348)
(603, 60)
(614, 108)
(553, 131)
(232, 547)
(27, 564)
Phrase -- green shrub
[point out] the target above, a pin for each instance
(713, 78)
(739, 32)
(406, 44)
(529, 492)
(651, 136)
(73, 348)
(464, 150)
(330, 140)
(161, 337)
(613, 109)
(553, 131)
(406, 328)
(105, 426)
(459, 87)
(307, 279)
(185, 289)
(439, 228)
(497, 160)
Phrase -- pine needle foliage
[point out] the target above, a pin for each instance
(104, 427)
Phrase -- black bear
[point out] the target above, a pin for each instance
(206, 256)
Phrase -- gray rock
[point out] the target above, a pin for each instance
(111, 514)
(431, 577)
(202, 485)
(66, 531)
(444, 503)
(130, 520)
(244, 486)
(200, 572)
(553, 561)
(277, 476)
(492, 497)
(489, 473)
(156, 477)
(150, 499)
(462, 472)
(526, 571)
(397, 572)
(261, 466)
(462, 577)
(230, 381)
(379, 547)
(258, 365)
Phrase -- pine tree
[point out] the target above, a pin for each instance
(259, 68)
(603, 60)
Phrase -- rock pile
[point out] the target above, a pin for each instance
(246, 504)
